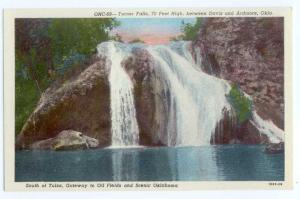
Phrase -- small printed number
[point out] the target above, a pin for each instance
(275, 183)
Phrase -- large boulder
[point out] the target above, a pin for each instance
(66, 140)
(81, 102)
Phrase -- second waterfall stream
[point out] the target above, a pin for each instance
(125, 131)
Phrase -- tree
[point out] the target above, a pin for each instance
(189, 31)
(71, 36)
(45, 46)
(32, 42)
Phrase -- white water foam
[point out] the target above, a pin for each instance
(197, 98)
(268, 128)
(125, 130)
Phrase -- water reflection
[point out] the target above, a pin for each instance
(231, 162)
(125, 165)
(142, 164)
(194, 164)
(237, 162)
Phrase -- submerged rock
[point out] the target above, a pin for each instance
(66, 140)
(274, 148)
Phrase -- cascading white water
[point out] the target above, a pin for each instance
(198, 99)
(125, 130)
(268, 128)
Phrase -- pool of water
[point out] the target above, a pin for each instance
(205, 163)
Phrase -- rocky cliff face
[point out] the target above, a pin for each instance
(248, 52)
(244, 51)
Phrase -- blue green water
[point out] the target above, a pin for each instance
(207, 163)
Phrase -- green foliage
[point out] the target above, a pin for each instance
(69, 36)
(46, 48)
(189, 31)
(26, 99)
(241, 104)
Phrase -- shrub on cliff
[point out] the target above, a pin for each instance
(241, 104)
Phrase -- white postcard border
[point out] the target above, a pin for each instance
(9, 100)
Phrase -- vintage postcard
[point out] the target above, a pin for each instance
(147, 99)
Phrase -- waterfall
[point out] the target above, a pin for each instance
(198, 100)
(125, 130)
